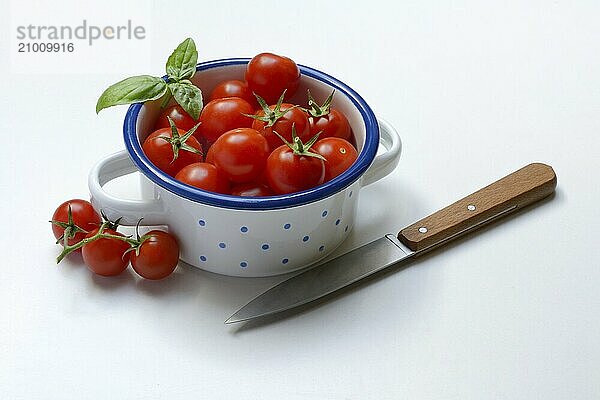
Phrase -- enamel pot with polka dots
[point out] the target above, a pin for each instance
(244, 236)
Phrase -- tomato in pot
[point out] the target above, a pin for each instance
(330, 122)
(333, 124)
(181, 119)
(292, 167)
(204, 176)
(280, 118)
(171, 149)
(222, 115)
(233, 88)
(339, 153)
(251, 189)
(240, 154)
(268, 75)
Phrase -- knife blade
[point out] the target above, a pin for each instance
(516, 190)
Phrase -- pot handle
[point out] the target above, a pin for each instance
(111, 167)
(384, 163)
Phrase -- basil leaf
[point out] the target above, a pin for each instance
(188, 96)
(182, 62)
(136, 89)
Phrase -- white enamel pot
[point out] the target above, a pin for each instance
(240, 236)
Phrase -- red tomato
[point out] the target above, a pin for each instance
(333, 124)
(106, 256)
(268, 75)
(84, 216)
(181, 119)
(222, 115)
(204, 176)
(240, 154)
(157, 257)
(339, 153)
(251, 189)
(233, 88)
(330, 122)
(288, 173)
(160, 151)
(281, 122)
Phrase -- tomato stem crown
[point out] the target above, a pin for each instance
(110, 224)
(70, 228)
(299, 148)
(139, 240)
(319, 111)
(179, 142)
(271, 116)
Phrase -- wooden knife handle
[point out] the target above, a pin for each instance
(525, 186)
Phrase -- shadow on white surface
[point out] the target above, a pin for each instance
(344, 292)
(111, 283)
(314, 305)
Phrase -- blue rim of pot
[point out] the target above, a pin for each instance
(351, 175)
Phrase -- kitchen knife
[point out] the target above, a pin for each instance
(525, 186)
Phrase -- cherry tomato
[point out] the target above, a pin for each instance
(160, 151)
(339, 153)
(241, 154)
(283, 125)
(326, 120)
(157, 256)
(106, 256)
(233, 88)
(222, 115)
(204, 176)
(333, 124)
(251, 189)
(181, 119)
(83, 214)
(287, 172)
(268, 75)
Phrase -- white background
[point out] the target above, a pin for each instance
(476, 89)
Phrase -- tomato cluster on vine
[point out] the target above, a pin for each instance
(249, 140)
(107, 252)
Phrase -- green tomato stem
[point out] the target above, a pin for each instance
(99, 235)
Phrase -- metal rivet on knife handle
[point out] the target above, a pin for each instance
(525, 186)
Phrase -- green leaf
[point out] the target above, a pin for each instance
(188, 96)
(136, 89)
(182, 62)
